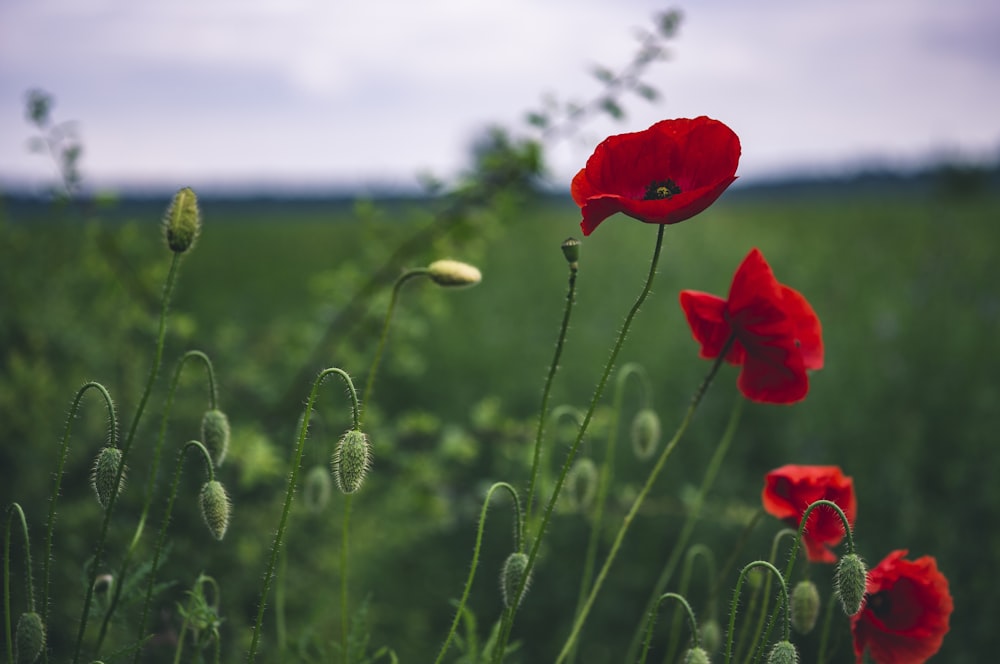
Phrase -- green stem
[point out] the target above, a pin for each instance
(764, 596)
(693, 553)
(736, 599)
(475, 558)
(553, 368)
(598, 392)
(345, 533)
(687, 530)
(652, 621)
(825, 634)
(637, 503)
(162, 537)
(292, 480)
(279, 603)
(30, 590)
(126, 448)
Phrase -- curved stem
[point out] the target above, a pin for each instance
(292, 481)
(652, 621)
(161, 538)
(475, 558)
(736, 599)
(126, 448)
(30, 590)
(764, 595)
(598, 392)
(693, 553)
(553, 368)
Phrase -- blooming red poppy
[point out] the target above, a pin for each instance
(789, 490)
(663, 175)
(906, 611)
(776, 335)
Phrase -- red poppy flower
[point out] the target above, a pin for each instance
(663, 175)
(789, 490)
(906, 611)
(776, 334)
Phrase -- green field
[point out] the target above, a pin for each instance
(901, 273)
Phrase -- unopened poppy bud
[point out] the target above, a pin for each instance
(805, 606)
(215, 508)
(318, 488)
(215, 434)
(352, 460)
(645, 433)
(103, 584)
(783, 652)
(453, 273)
(711, 636)
(571, 250)
(29, 640)
(581, 483)
(850, 580)
(102, 479)
(696, 656)
(182, 221)
(511, 576)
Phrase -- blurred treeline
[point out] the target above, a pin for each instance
(901, 272)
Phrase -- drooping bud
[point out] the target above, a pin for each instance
(696, 656)
(805, 606)
(571, 250)
(103, 584)
(102, 479)
(215, 508)
(850, 580)
(581, 484)
(182, 221)
(645, 433)
(215, 434)
(453, 273)
(317, 490)
(711, 636)
(352, 460)
(511, 576)
(783, 652)
(29, 640)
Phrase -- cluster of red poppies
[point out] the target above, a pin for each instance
(669, 173)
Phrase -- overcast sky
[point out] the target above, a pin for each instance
(309, 92)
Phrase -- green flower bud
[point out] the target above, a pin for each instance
(29, 640)
(850, 579)
(581, 483)
(352, 460)
(696, 656)
(317, 489)
(182, 221)
(453, 273)
(711, 636)
(215, 434)
(215, 508)
(571, 250)
(645, 433)
(783, 652)
(510, 578)
(102, 479)
(805, 606)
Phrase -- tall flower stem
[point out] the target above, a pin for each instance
(553, 368)
(687, 530)
(763, 595)
(475, 558)
(598, 392)
(162, 537)
(693, 553)
(652, 621)
(29, 586)
(736, 599)
(126, 448)
(345, 534)
(292, 482)
(637, 503)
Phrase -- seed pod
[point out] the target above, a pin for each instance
(696, 656)
(783, 652)
(182, 221)
(850, 579)
(102, 479)
(317, 489)
(352, 460)
(805, 606)
(215, 434)
(645, 433)
(29, 640)
(510, 578)
(571, 250)
(215, 508)
(453, 273)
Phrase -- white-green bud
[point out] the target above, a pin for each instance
(352, 460)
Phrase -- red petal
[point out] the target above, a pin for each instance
(807, 329)
(705, 315)
(773, 374)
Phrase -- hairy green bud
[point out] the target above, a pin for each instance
(352, 460)
(581, 483)
(783, 652)
(317, 489)
(711, 635)
(182, 221)
(453, 273)
(29, 640)
(696, 656)
(102, 479)
(645, 433)
(215, 434)
(805, 606)
(215, 508)
(510, 578)
(850, 579)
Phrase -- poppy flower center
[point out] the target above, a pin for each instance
(660, 189)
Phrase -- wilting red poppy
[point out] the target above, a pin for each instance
(789, 490)
(663, 175)
(906, 611)
(776, 334)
